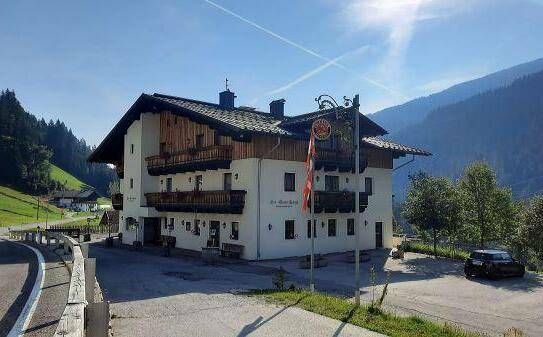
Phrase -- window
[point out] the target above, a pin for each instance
(331, 183)
(368, 183)
(289, 229)
(168, 184)
(165, 223)
(132, 148)
(350, 227)
(235, 231)
(172, 224)
(290, 182)
(309, 228)
(196, 227)
(187, 226)
(198, 183)
(227, 184)
(200, 141)
(217, 140)
(131, 183)
(331, 227)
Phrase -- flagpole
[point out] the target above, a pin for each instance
(356, 106)
(312, 231)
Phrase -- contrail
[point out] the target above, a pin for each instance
(306, 50)
(313, 72)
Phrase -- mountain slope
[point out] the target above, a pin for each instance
(502, 126)
(398, 117)
(17, 207)
(65, 179)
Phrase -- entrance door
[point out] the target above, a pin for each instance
(379, 235)
(151, 230)
(214, 234)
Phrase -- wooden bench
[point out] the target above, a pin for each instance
(232, 249)
(168, 240)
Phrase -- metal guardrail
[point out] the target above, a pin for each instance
(81, 316)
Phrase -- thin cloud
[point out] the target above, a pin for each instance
(305, 49)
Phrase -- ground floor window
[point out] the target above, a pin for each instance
(172, 224)
(350, 226)
(187, 226)
(331, 227)
(309, 228)
(289, 229)
(235, 231)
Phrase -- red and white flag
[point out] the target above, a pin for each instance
(310, 167)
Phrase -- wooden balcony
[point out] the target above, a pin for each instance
(331, 160)
(194, 159)
(341, 201)
(117, 201)
(226, 202)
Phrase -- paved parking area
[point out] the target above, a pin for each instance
(437, 289)
(156, 296)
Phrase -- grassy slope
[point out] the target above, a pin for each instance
(104, 201)
(69, 181)
(17, 208)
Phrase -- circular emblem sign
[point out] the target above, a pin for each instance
(321, 129)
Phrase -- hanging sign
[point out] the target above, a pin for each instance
(321, 129)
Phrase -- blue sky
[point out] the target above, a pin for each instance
(86, 62)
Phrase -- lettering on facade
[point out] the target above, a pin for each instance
(283, 203)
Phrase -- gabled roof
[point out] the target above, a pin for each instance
(240, 123)
(74, 194)
(394, 147)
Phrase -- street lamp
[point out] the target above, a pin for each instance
(328, 102)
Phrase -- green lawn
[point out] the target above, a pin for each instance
(345, 311)
(66, 179)
(104, 201)
(19, 208)
(428, 249)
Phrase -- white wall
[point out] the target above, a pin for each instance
(144, 134)
(274, 212)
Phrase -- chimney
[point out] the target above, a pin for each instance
(277, 108)
(226, 99)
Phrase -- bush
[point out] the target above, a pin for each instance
(423, 248)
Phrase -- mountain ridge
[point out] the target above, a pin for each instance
(395, 118)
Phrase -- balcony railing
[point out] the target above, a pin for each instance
(331, 159)
(231, 202)
(341, 201)
(194, 159)
(117, 201)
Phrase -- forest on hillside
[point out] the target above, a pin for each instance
(28, 145)
(502, 127)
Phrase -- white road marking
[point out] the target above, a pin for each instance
(26, 314)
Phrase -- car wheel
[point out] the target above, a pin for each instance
(468, 273)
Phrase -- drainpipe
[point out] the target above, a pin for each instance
(258, 196)
(406, 163)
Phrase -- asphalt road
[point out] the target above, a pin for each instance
(157, 296)
(18, 271)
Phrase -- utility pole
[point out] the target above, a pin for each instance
(312, 231)
(356, 108)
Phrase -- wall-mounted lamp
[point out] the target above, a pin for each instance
(365, 223)
(204, 223)
(236, 176)
(190, 179)
(224, 225)
(322, 224)
(182, 222)
(347, 180)
(269, 226)
(317, 178)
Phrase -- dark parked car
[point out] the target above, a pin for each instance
(492, 263)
